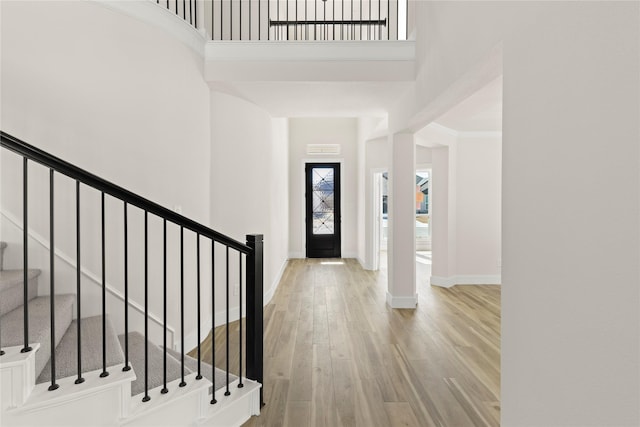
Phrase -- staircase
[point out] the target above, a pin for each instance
(58, 368)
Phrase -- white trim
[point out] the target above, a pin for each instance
(276, 282)
(447, 282)
(18, 372)
(93, 278)
(308, 50)
(296, 255)
(402, 302)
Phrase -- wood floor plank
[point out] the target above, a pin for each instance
(336, 355)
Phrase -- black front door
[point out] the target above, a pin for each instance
(322, 192)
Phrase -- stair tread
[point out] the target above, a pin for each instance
(9, 278)
(12, 291)
(206, 370)
(155, 362)
(12, 325)
(66, 351)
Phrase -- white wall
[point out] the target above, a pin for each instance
(249, 185)
(119, 98)
(479, 207)
(570, 295)
(342, 131)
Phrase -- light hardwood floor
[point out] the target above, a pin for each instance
(336, 355)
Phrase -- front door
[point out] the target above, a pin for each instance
(322, 192)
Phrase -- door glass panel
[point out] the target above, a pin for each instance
(322, 184)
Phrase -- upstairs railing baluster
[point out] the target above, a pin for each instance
(52, 291)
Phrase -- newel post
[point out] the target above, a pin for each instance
(255, 296)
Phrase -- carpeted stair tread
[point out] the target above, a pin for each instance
(12, 291)
(155, 364)
(205, 369)
(91, 346)
(12, 325)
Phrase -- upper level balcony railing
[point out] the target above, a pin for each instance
(333, 20)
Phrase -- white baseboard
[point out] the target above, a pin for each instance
(296, 255)
(402, 302)
(447, 282)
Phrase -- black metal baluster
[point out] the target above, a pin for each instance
(259, 19)
(240, 385)
(177, 8)
(104, 372)
(146, 397)
(315, 18)
(184, 10)
(213, 314)
(250, 1)
(221, 13)
(361, 19)
(25, 253)
(52, 292)
(397, 19)
(126, 291)
(268, 19)
(333, 15)
(369, 26)
(195, 13)
(380, 19)
(182, 382)
(227, 393)
(168, 5)
(342, 25)
(230, 19)
(79, 380)
(240, 23)
(353, 26)
(164, 306)
(306, 27)
(213, 25)
(199, 376)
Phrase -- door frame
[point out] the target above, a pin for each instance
(303, 203)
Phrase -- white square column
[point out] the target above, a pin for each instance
(401, 291)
